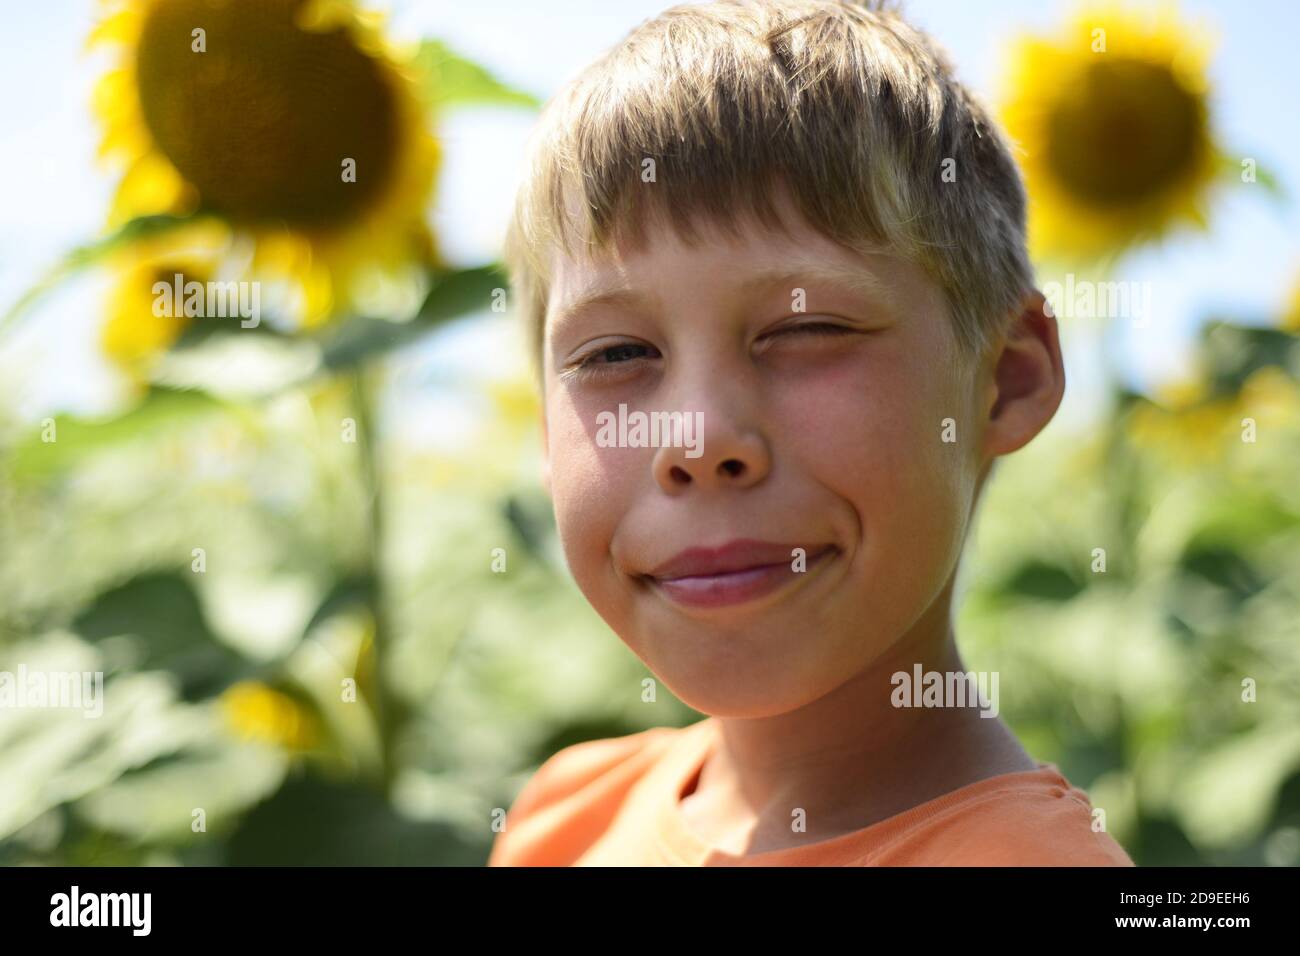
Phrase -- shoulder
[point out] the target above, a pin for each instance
(1046, 827)
(574, 792)
(1034, 818)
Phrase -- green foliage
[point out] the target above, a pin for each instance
(453, 81)
(93, 253)
(347, 679)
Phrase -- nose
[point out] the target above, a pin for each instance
(732, 453)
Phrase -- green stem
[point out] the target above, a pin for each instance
(389, 711)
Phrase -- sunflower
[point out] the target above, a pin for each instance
(1191, 427)
(255, 711)
(1112, 120)
(137, 332)
(1291, 311)
(292, 123)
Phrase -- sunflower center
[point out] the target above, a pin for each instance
(1125, 132)
(262, 121)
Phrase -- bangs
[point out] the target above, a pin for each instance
(707, 113)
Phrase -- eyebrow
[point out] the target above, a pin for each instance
(600, 297)
(859, 281)
(818, 273)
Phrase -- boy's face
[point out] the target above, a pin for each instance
(826, 439)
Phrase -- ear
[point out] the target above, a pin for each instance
(1027, 381)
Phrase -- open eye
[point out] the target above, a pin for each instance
(614, 354)
(610, 359)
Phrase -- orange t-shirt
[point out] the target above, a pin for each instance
(615, 802)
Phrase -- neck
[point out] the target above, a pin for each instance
(852, 758)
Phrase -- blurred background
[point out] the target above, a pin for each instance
(313, 560)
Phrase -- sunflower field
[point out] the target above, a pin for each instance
(324, 642)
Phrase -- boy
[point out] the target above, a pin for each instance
(786, 221)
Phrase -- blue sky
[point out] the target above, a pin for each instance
(54, 196)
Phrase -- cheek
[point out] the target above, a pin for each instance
(591, 486)
(871, 430)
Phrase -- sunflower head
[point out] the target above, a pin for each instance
(264, 97)
(1291, 311)
(255, 711)
(1190, 426)
(135, 336)
(1112, 121)
(290, 120)
(137, 330)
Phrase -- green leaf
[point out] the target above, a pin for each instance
(91, 253)
(316, 821)
(1271, 183)
(1224, 568)
(1043, 581)
(354, 590)
(152, 804)
(162, 612)
(76, 438)
(454, 294)
(1231, 169)
(204, 330)
(456, 81)
(1231, 353)
(460, 292)
(532, 519)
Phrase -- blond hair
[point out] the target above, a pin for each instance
(848, 107)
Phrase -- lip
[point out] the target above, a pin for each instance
(738, 571)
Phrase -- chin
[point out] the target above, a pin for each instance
(749, 702)
(745, 674)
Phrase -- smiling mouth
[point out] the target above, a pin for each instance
(736, 585)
